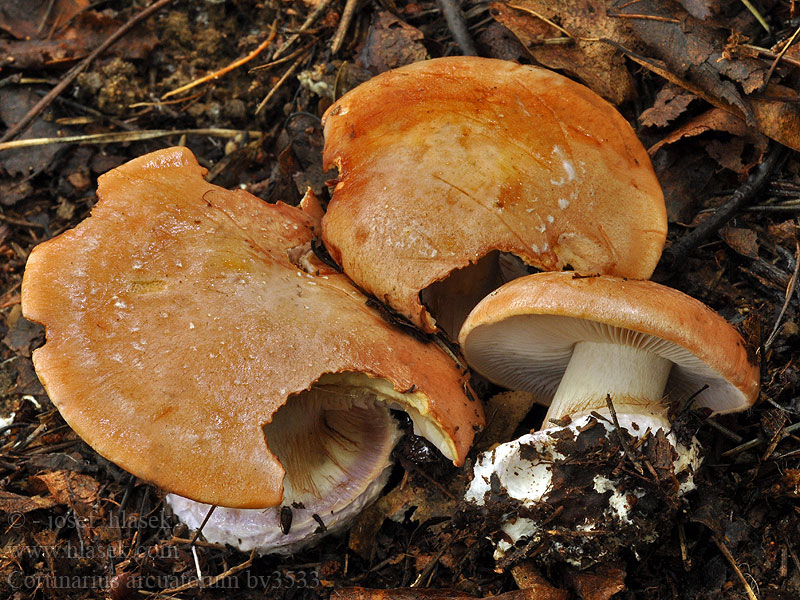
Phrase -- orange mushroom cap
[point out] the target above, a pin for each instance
(177, 325)
(522, 336)
(443, 161)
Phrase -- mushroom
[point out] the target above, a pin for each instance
(194, 340)
(611, 357)
(448, 165)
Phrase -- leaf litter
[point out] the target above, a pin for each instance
(697, 80)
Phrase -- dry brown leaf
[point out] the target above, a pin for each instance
(683, 176)
(391, 43)
(777, 114)
(37, 19)
(670, 103)
(702, 9)
(715, 119)
(528, 578)
(504, 412)
(76, 490)
(15, 505)
(427, 501)
(15, 102)
(80, 36)
(694, 51)
(600, 582)
(596, 63)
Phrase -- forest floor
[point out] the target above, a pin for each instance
(708, 85)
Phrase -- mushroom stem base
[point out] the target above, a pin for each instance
(632, 377)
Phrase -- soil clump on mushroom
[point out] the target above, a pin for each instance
(611, 493)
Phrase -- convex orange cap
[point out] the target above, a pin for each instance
(443, 161)
(522, 335)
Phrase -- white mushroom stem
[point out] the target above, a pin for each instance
(634, 378)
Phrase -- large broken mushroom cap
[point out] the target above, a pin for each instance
(444, 161)
(610, 356)
(178, 326)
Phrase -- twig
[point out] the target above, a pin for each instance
(312, 16)
(727, 553)
(211, 581)
(758, 441)
(280, 61)
(457, 25)
(724, 430)
(124, 136)
(95, 113)
(34, 112)
(203, 524)
(676, 253)
(623, 442)
(777, 58)
(280, 82)
(541, 18)
(344, 24)
(770, 54)
(757, 15)
(645, 17)
(234, 65)
(789, 293)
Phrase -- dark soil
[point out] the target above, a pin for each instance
(76, 526)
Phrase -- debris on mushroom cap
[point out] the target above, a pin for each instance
(522, 336)
(442, 162)
(572, 493)
(178, 326)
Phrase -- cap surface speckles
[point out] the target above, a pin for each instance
(443, 161)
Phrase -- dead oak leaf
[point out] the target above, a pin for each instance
(693, 50)
(391, 43)
(76, 490)
(670, 103)
(717, 119)
(587, 57)
(598, 583)
(38, 19)
(14, 504)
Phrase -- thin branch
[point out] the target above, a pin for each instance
(789, 293)
(727, 554)
(645, 17)
(457, 24)
(234, 65)
(312, 16)
(676, 253)
(40, 106)
(757, 15)
(280, 82)
(344, 24)
(778, 58)
(124, 136)
(541, 18)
